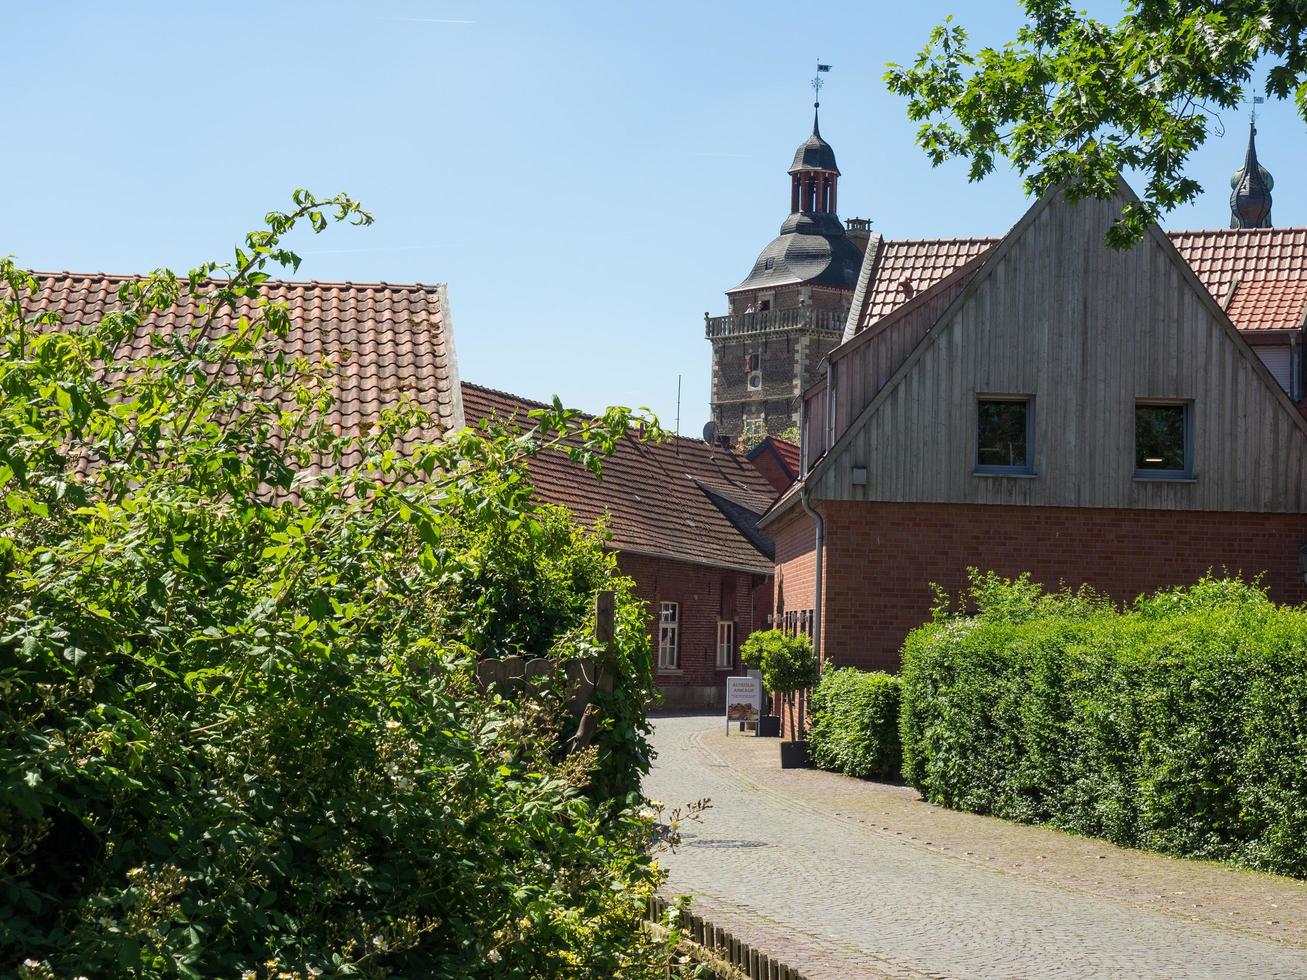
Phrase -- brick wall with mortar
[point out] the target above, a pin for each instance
(706, 595)
(789, 361)
(882, 557)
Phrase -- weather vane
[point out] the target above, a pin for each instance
(817, 84)
(1257, 100)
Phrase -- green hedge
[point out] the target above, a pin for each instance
(855, 718)
(1179, 725)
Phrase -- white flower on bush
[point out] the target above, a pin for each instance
(493, 956)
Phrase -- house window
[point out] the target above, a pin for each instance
(1163, 441)
(755, 371)
(669, 629)
(1003, 431)
(725, 645)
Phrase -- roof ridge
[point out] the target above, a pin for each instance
(129, 277)
(1237, 231)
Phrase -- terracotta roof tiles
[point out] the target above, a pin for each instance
(1269, 304)
(659, 497)
(387, 340)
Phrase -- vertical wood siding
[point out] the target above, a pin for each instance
(1084, 331)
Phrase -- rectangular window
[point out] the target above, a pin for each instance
(725, 645)
(755, 372)
(669, 628)
(755, 428)
(1163, 441)
(1003, 431)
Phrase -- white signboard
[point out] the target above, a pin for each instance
(743, 700)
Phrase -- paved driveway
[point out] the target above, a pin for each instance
(855, 879)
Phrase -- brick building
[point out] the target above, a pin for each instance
(790, 310)
(1040, 403)
(683, 517)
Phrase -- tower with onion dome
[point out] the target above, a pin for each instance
(790, 309)
(1250, 189)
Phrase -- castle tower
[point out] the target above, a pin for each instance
(790, 310)
(1250, 194)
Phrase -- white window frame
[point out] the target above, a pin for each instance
(755, 427)
(669, 635)
(725, 644)
(753, 370)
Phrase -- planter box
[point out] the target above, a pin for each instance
(769, 726)
(794, 755)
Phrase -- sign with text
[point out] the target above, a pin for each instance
(743, 699)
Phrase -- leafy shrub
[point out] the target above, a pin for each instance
(786, 662)
(855, 723)
(1179, 725)
(240, 733)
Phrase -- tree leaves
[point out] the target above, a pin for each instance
(1074, 102)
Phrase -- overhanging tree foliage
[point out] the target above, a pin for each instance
(240, 732)
(1075, 101)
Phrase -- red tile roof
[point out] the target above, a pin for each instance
(387, 340)
(657, 496)
(1269, 304)
(905, 268)
(1220, 257)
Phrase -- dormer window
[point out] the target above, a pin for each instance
(769, 263)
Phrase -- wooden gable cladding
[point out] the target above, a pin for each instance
(1083, 331)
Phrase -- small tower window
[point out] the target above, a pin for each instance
(755, 371)
(770, 263)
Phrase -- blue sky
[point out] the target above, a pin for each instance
(587, 177)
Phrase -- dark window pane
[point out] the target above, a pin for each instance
(1159, 437)
(1002, 434)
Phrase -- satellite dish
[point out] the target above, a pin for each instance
(710, 431)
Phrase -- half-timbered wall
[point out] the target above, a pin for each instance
(1084, 331)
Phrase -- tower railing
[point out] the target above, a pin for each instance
(771, 321)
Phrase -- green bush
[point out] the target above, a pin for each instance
(1179, 725)
(240, 732)
(855, 723)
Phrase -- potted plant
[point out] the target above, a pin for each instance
(787, 667)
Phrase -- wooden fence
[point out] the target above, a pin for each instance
(516, 675)
(753, 963)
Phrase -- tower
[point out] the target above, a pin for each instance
(790, 310)
(1250, 194)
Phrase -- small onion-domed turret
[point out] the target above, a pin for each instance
(1250, 195)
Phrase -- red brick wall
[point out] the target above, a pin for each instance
(796, 565)
(706, 595)
(882, 557)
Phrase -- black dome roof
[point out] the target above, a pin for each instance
(812, 249)
(814, 153)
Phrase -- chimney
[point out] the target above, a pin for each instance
(859, 232)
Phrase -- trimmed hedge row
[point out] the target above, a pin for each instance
(1179, 725)
(855, 723)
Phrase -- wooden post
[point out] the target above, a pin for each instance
(605, 616)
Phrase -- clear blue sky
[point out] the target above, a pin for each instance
(587, 177)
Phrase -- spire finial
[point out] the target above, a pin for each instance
(1250, 198)
(816, 94)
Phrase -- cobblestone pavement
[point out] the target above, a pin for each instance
(856, 879)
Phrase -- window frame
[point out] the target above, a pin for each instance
(729, 646)
(668, 628)
(1185, 475)
(751, 372)
(992, 469)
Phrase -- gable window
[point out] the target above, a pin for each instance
(755, 371)
(725, 644)
(669, 635)
(1003, 435)
(1163, 441)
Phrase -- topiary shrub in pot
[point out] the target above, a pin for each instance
(788, 667)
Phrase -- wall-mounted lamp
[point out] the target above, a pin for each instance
(860, 480)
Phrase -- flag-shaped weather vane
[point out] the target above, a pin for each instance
(817, 84)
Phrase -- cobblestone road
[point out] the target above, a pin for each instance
(857, 879)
